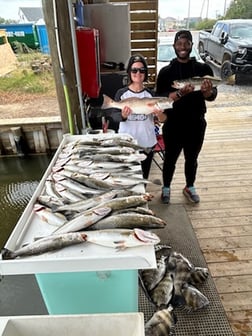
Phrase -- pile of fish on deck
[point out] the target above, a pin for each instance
(171, 285)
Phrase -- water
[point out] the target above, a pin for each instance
(19, 177)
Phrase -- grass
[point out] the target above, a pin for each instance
(26, 79)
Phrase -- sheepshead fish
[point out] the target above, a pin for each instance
(138, 105)
(43, 245)
(161, 323)
(194, 299)
(121, 239)
(197, 81)
(162, 294)
(198, 275)
(151, 277)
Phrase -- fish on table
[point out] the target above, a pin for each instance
(84, 220)
(121, 239)
(118, 239)
(138, 105)
(129, 221)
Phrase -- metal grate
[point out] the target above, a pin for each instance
(210, 321)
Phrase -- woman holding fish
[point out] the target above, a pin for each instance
(185, 123)
(139, 125)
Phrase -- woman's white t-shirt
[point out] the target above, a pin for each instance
(140, 126)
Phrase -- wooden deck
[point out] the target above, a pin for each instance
(223, 220)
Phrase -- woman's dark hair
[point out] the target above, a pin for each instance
(137, 58)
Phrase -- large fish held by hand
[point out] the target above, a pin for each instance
(197, 81)
(138, 105)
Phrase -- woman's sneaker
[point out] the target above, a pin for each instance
(165, 196)
(191, 194)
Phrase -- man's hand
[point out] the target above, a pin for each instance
(206, 88)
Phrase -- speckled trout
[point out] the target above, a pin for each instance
(119, 239)
(138, 105)
(197, 81)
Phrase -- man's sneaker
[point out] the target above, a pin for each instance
(191, 194)
(165, 196)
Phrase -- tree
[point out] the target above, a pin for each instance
(205, 24)
(239, 9)
(4, 21)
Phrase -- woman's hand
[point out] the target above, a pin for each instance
(126, 111)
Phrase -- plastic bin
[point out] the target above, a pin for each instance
(43, 39)
(75, 325)
(90, 292)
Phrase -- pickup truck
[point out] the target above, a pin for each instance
(229, 46)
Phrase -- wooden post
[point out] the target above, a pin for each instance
(66, 50)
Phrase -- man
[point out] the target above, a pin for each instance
(185, 124)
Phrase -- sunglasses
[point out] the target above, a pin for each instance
(135, 70)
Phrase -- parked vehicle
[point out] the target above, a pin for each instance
(166, 53)
(229, 46)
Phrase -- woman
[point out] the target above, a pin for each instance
(139, 126)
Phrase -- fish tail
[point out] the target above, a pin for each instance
(7, 254)
(106, 102)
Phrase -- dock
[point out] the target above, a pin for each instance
(222, 221)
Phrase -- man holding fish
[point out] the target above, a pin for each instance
(184, 124)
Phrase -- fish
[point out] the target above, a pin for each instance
(162, 250)
(89, 203)
(46, 215)
(91, 181)
(181, 268)
(50, 202)
(129, 221)
(45, 244)
(125, 202)
(84, 220)
(162, 323)
(69, 195)
(137, 157)
(162, 294)
(140, 210)
(75, 186)
(198, 275)
(197, 81)
(138, 105)
(194, 299)
(121, 143)
(151, 277)
(120, 239)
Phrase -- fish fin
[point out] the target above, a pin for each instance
(120, 245)
(107, 101)
(7, 254)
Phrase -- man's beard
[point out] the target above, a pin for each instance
(185, 57)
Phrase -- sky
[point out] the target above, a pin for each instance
(177, 9)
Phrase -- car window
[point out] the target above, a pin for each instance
(166, 53)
